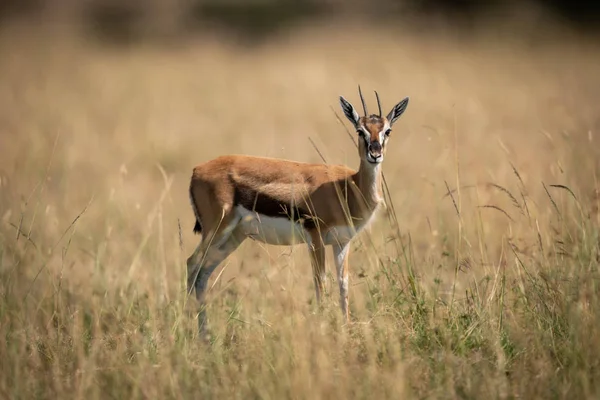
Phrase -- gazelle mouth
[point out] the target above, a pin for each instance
(374, 160)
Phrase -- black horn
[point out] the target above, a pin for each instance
(363, 101)
(378, 102)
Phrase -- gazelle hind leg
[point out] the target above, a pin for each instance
(208, 256)
(194, 263)
(214, 238)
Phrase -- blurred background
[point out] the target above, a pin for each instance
(259, 20)
(112, 103)
(106, 106)
(102, 100)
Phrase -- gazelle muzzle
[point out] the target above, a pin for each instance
(375, 152)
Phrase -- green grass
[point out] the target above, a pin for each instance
(525, 330)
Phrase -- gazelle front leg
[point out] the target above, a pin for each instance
(316, 250)
(340, 254)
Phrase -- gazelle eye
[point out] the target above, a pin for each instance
(360, 133)
(387, 133)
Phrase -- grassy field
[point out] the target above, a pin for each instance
(480, 280)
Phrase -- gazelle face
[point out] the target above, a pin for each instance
(373, 133)
(373, 130)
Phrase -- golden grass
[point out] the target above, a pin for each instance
(488, 292)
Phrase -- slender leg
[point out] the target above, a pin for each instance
(194, 263)
(340, 253)
(200, 286)
(316, 250)
(202, 264)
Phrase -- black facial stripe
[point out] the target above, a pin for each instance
(368, 142)
(363, 132)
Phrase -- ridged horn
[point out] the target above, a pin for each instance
(363, 101)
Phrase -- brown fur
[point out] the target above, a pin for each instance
(297, 191)
(374, 124)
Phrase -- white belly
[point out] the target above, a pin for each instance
(277, 231)
(282, 231)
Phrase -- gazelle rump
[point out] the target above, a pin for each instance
(284, 202)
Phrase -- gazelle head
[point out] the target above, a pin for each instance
(373, 130)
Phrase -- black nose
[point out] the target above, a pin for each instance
(375, 148)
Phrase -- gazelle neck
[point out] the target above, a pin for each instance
(368, 180)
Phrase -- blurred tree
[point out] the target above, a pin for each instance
(120, 21)
(19, 8)
(582, 14)
(113, 21)
(254, 20)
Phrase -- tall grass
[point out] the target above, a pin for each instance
(479, 280)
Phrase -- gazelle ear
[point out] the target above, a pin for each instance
(349, 111)
(397, 111)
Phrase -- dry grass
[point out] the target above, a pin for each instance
(489, 291)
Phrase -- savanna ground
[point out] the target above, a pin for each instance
(480, 280)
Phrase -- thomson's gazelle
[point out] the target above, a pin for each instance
(276, 201)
